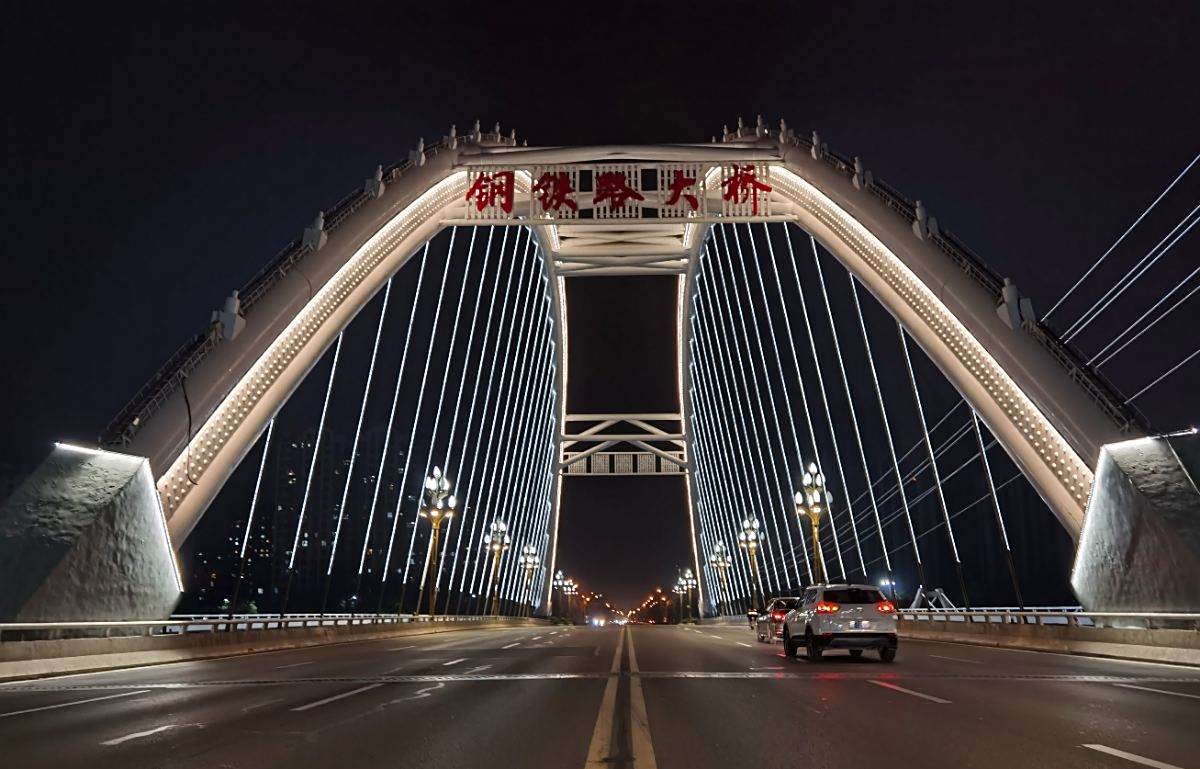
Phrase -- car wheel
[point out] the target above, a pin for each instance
(887, 654)
(813, 648)
(789, 646)
(760, 637)
(856, 652)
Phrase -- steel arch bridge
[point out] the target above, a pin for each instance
(199, 416)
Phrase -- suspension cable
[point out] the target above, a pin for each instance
(912, 377)
(1168, 373)
(987, 471)
(1131, 326)
(387, 433)
(1117, 242)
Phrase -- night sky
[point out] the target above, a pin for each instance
(156, 157)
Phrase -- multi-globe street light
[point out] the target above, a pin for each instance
(559, 582)
(529, 561)
(689, 584)
(749, 538)
(570, 589)
(721, 560)
(439, 506)
(679, 590)
(812, 501)
(496, 540)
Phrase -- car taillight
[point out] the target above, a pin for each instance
(826, 608)
(885, 607)
(778, 615)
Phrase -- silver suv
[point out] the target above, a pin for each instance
(854, 617)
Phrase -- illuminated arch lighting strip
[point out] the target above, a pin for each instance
(213, 437)
(1037, 430)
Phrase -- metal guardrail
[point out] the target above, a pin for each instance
(183, 624)
(1073, 617)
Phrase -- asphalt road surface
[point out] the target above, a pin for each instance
(642, 697)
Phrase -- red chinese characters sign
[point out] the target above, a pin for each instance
(617, 191)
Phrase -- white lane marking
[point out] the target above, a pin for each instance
(893, 687)
(719, 638)
(401, 648)
(957, 659)
(69, 704)
(748, 646)
(1131, 757)
(476, 670)
(293, 665)
(454, 662)
(248, 708)
(419, 694)
(1159, 691)
(601, 748)
(643, 746)
(536, 638)
(147, 733)
(335, 698)
(509, 646)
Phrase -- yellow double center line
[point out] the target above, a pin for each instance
(606, 748)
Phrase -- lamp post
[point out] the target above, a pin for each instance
(439, 506)
(497, 540)
(689, 584)
(559, 582)
(812, 501)
(678, 590)
(529, 561)
(569, 590)
(721, 560)
(749, 538)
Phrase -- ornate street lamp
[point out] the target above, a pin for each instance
(812, 501)
(721, 560)
(689, 584)
(749, 538)
(570, 590)
(559, 582)
(679, 590)
(497, 540)
(439, 506)
(529, 560)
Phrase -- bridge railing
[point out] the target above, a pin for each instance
(1072, 617)
(171, 375)
(1098, 387)
(182, 624)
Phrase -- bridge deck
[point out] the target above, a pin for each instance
(533, 698)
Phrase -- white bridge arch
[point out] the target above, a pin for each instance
(198, 417)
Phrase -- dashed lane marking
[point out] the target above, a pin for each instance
(476, 670)
(335, 698)
(895, 688)
(69, 704)
(748, 646)
(293, 665)
(1135, 758)
(402, 648)
(956, 659)
(147, 733)
(1160, 691)
(454, 662)
(509, 646)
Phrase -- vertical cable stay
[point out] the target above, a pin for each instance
(526, 311)
(466, 508)
(933, 465)
(837, 349)
(1117, 242)
(458, 398)
(787, 490)
(468, 496)
(724, 513)
(437, 417)
(837, 453)
(1164, 375)
(987, 471)
(750, 384)
(712, 414)
(887, 429)
(312, 465)
(412, 436)
(714, 396)
(507, 384)
(362, 412)
(749, 473)
(787, 324)
(387, 433)
(262, 466)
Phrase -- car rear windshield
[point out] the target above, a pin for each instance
(790, 603)
(851, 595)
